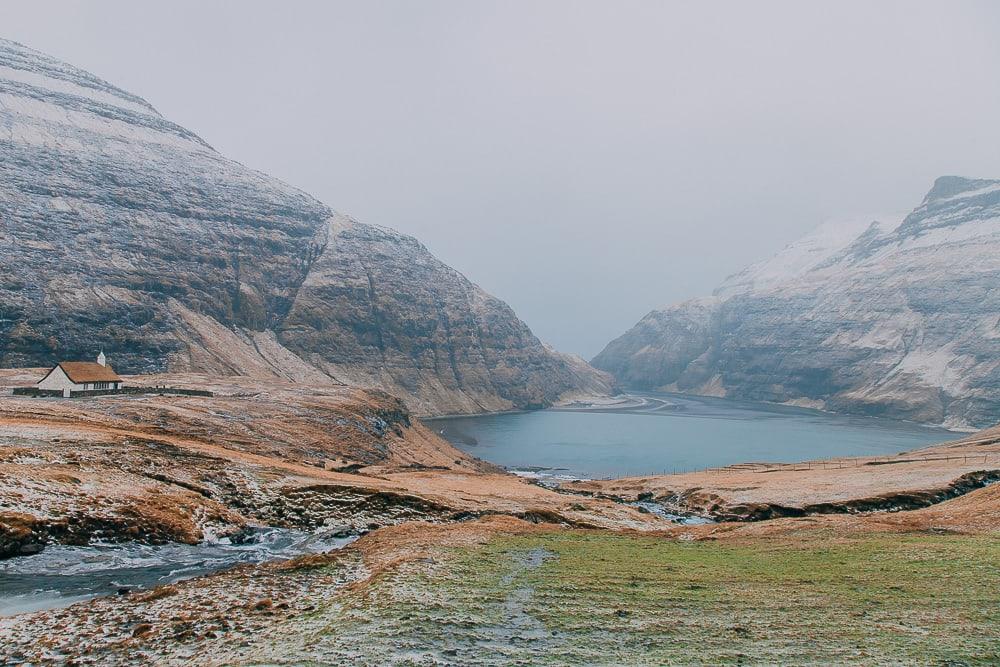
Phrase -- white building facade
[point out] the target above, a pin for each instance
(70, 376)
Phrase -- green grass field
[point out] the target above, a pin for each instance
(598, 598)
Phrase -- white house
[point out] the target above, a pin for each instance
(69, 376)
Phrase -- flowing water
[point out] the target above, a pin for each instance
(62, 575)
(650, 433)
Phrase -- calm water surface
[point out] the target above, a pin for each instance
(667, 432)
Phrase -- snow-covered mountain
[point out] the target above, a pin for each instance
(124, 231)
(891, 315)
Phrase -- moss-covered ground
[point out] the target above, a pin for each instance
(579, 597)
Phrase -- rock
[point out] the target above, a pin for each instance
(19, 535)
(142, 629)
(889, 317)
(31, 549)
(159, 593)
(144, 241)
(335, 532)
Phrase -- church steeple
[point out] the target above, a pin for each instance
(101, 359)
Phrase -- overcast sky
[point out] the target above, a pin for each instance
(584, 161)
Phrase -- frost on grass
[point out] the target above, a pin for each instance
(589, 598)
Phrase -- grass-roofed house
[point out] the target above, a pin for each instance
(70, 376)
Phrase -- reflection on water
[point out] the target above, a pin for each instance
(61, 575)
(652, 433)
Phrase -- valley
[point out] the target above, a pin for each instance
(160, 468)
(458, 559)
(801, 468)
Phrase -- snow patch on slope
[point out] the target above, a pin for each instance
(65, 87)
(939, 367)
(807, 253)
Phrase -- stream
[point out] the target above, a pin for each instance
(62, 575)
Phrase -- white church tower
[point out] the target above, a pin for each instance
(101, 359)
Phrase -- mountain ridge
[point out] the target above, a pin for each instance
(125, 231)
(896, 318)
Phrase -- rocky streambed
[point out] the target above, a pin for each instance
(63, 574)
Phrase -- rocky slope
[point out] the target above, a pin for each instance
(158, 468)
(896, 316)
(125, 231)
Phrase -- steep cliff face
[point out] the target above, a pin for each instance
(378, 309)
(125, 231)
(899, 317)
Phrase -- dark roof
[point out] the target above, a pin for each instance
(88, 371)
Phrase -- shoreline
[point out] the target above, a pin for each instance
(609, 446)
(178, 469)
(665, 397)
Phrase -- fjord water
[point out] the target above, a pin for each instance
(655, 433)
